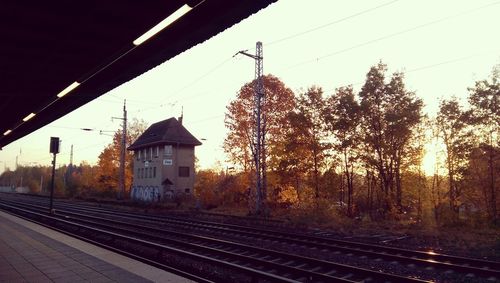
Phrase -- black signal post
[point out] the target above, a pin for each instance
(54, 149)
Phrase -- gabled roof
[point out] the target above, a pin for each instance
(168, 131)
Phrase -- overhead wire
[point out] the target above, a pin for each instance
(362, 12)
(169, 102)
(222, 63)
(102, 143)
(433, 22)
(428, 66)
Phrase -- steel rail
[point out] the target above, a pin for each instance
(457, 263)
(44, 218)
(239, 252)
(446, 262)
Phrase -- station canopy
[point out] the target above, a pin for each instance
(56, 56)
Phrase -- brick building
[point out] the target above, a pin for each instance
(163, 162)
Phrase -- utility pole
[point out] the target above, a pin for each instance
(71, 157)
(258, 135)
(121, 182)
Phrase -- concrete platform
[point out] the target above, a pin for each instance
(33, 253)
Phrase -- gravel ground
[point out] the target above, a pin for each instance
(437, 243)
(453, 243)
(421, 272)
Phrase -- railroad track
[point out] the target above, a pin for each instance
(279, 265)
(444, 263)
(376, 252)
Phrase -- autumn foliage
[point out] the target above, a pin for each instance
(109, 161)
(350, 153)
(359, 154)
(83, 180)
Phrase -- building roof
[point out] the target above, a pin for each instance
(49, 45)
(169, 131)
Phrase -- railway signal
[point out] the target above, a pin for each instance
(54, 149)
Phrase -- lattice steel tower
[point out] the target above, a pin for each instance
(258, 142)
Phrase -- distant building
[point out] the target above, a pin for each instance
(163, 162)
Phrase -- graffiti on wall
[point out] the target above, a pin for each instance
(146, 193)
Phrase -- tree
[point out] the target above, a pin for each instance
(82, 180)
(452, 122)
(373, 127)
(477, 177)
(240, 121)
(404, 115)
(484, 99)
(206, 181)
(109, 159)
(107, 165)
(342, 117)
(294, 167)
(416, 185)
(307, 134)
(215, 187)
(390, 113)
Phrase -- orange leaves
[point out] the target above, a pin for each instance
(240, 120)
(109, 159)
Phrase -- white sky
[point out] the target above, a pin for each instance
(444, 46)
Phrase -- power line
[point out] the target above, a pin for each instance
(218, 66)
(429, 66)
(177, 92)
(102, 143)
(393, 35)
(222, 63)
(417, 69)
(327, 55)
(330, 23)
(194, 82)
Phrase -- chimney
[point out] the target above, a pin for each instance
(182, 115)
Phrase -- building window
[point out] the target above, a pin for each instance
(144, 154)
(157, 151)
(138, 154)
(138, 173)
(154, 172)
(150, 153)
(183, 171)
(167, 151)
(187, 191)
